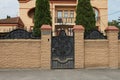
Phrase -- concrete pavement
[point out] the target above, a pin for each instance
(87, 74)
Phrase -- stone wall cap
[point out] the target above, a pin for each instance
(46, 27)
(78, 27)
(112, 28)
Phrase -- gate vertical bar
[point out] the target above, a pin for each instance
(79, 46)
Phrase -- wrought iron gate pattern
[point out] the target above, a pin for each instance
(62, 51)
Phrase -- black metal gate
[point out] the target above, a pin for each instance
(62, 51)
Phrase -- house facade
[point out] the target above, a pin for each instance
(63, 13)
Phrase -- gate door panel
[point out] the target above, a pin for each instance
(62, 51)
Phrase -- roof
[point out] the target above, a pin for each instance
(15, 20)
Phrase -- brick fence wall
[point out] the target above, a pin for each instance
(119, 54)
(20, 53)
(37, 53)
(96, 53)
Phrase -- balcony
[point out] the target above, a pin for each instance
(65, 21)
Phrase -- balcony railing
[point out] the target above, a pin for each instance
(65, 21)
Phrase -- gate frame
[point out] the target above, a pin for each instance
(79, 55)
(73, 53)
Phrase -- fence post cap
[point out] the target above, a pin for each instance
(112, 28)
(46, 27)
(78, 27)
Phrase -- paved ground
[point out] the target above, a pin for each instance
(60, 74)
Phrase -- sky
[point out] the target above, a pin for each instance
(113, 9)
(11, 8)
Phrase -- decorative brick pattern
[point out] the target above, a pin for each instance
(20, 53)
(96, 53)
(79, 46)
(119, 54)
(37, 53)
(112, 34)
(46, 47)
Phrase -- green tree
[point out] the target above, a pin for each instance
(8, 17)
(42, 16)
(114, 23)
(85, 15)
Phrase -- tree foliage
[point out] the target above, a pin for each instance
(8, 17)
(85, 15)
(114, 23)
(42, 16)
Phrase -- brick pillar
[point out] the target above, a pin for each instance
(79, 46)
(46, 47)
(112, 34)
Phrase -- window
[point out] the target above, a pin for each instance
(65, 14)
(71, 14)
(31, 13)
(96, 14)
(59, 14)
